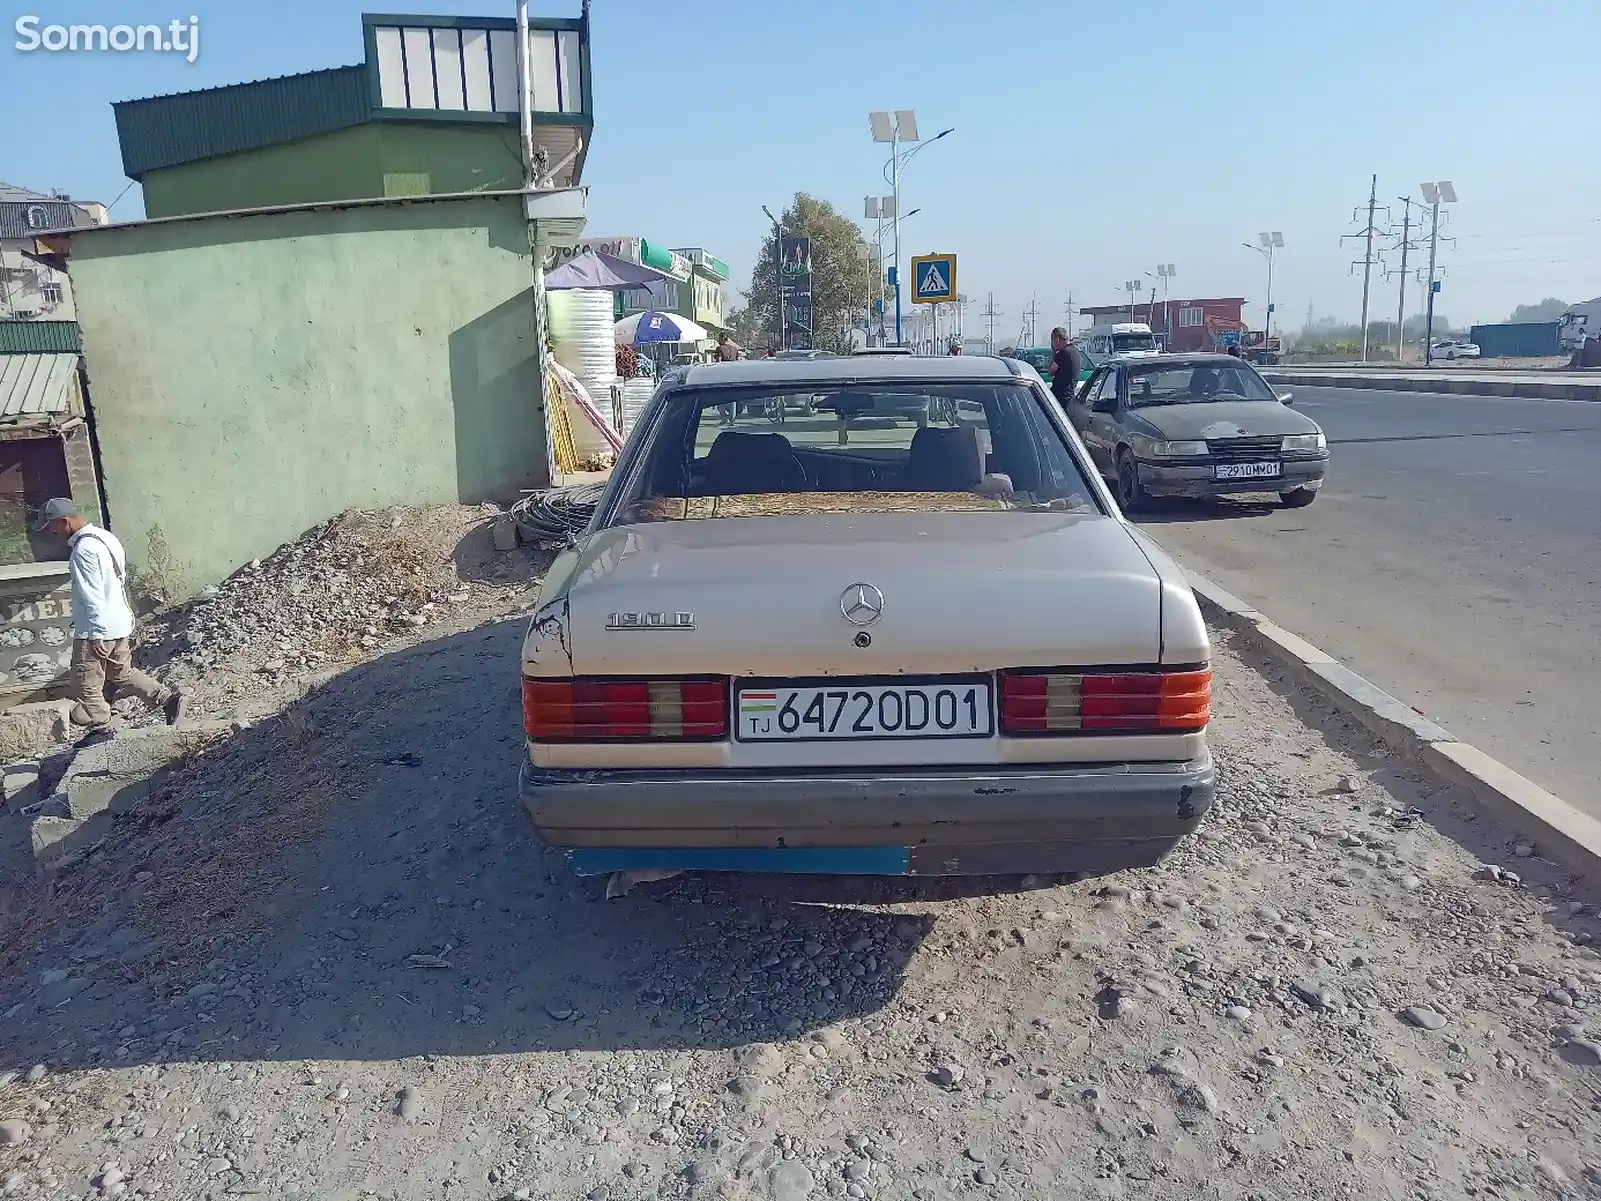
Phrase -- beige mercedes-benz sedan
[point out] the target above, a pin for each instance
(903, 632)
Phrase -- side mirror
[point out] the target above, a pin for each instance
(1106, 404)
(1287, 398)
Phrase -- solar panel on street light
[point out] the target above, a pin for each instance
(886, 206)
(1267, 239)
(883, 131)
(1278, 240)
(1431, 193)
(870, 208)
(1171, 270)
(905, 125)
(1447, 192)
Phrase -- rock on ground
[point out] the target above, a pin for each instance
(327, 960)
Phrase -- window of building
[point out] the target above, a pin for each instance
(50, 293)
(1189, 318)
(37, 217)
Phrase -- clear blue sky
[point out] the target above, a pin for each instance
(1093, 140)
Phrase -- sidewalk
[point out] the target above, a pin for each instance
(1574, 386)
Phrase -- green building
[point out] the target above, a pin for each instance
(431, 110)
(336, 300)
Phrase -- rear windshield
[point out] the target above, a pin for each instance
(854, 449)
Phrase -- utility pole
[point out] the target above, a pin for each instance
(1406, 244)
(990, 313)
(1070, 316)
(1367, 233)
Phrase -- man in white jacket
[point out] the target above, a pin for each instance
(102, 622)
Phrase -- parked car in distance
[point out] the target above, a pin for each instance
(1196, 425)
(940, 652)
(1456, 349)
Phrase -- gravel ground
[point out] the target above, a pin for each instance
(328, 962)
(344, 591)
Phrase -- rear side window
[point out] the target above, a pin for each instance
(853, 449)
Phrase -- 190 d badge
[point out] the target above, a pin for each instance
(650, 621)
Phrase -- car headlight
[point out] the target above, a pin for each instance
(1305, 442)
(1175, 450)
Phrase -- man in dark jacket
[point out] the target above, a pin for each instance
(1067, 364)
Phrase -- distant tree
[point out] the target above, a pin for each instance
(841, 277)
(1548, 309)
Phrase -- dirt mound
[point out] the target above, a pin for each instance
(338, 594)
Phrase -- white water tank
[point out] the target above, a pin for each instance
(581, 328)
(636, 393)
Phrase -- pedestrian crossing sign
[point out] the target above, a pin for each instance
(933, 278)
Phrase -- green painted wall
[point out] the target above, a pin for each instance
(365, 162)
(254, 376)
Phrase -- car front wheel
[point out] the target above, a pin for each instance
(1131, 494)
(1298, 498)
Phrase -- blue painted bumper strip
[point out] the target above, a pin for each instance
(818, 861)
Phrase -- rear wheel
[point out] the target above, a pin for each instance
(1131, 494)
(1298, 498)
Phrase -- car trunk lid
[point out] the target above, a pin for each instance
(765, 596)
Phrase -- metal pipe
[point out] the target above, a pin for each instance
(525, 95)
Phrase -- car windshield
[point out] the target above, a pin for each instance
(1195, 382)
(1132, 343)
(858, 448)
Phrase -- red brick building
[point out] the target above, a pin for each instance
(1194, 321)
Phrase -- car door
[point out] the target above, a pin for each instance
(1078, 407)
(1101, 431)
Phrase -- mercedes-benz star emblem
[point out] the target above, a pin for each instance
(861, 604)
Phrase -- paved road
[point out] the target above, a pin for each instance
(1454, 558)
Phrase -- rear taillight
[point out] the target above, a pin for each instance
(610, 710)
(1141, 702)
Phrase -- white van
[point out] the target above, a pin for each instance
(1121, 338)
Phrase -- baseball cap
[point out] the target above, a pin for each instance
(52, 510)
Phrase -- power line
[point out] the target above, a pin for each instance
(1404, 245)
(989, 314)
(1367, 232)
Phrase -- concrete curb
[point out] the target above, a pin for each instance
(1480, 386)
(1560, 831)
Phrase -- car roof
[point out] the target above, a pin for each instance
(885, 368)
(1202, 359)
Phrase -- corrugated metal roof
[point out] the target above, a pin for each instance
(37, 384)
(40, 337)
(34, 215)
(184, 127)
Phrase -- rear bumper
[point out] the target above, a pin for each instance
(1196, 480)
(1082, 818)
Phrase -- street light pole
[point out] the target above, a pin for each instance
(1433, 194)
(1270, 243)
(902, 127)
(1166, 272)
(778, 275)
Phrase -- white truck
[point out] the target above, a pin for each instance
(1120, 338)
(1579, 326)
